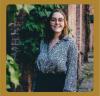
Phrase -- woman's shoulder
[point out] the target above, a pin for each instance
(42, 41)
(41, 44)
(69, 39)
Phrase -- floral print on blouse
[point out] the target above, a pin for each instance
(61, 58)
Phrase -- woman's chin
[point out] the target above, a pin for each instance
(57, 31)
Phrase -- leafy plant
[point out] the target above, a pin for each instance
(30, 34)
(13, 73)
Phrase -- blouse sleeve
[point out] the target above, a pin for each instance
(37, 66)
(71, 75)
(41, 44)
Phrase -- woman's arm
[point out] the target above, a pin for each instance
(71, 75)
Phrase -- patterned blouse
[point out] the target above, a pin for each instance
(61, 58)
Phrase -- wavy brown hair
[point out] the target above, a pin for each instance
(49, 34)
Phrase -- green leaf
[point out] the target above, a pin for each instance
(13, 73)
(14, 76)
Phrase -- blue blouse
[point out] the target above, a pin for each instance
(61, 58)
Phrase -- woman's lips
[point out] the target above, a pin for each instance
(57, 26)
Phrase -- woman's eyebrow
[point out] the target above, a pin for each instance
(57, 18)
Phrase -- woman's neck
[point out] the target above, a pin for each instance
(56, 36)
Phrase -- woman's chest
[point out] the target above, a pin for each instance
(57, 52)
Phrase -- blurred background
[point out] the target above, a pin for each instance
(25, 29)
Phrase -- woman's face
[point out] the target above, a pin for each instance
(57, 22)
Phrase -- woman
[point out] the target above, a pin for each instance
(57, 61)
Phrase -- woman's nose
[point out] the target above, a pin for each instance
(56, 22)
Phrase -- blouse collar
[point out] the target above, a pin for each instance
(66, 38)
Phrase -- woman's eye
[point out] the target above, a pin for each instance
(53, 19)
(59, 20)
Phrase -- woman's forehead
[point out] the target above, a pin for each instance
(57, 15)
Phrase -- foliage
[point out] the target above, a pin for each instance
(13, 73)
(33, 30)
(86, 81)
(87, 71)
(11, 11)
(31, 33)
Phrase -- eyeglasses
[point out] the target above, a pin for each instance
(55, 20)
